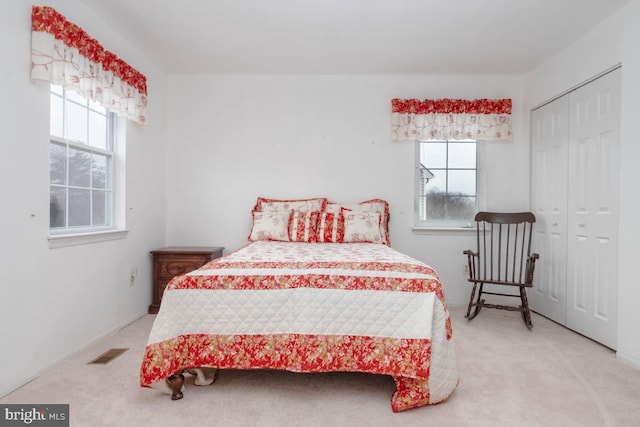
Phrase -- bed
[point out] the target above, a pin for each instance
(308, 304)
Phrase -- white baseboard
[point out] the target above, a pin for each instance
(628, 360)
(5, 389)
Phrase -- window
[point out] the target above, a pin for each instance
(446, 183)
(81, 162)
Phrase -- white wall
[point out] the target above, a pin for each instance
(614, 41)
(54, 302)
(234, 138)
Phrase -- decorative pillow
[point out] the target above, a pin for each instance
(270, 226)
(301, 205)
(361, 226)
(303, 226)
(373, 205)
(331, 227)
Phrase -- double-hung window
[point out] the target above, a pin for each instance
(81, 160)
(446, 183)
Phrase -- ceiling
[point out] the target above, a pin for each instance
(351, 36)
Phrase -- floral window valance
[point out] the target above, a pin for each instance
(486, 119)
(64, 54)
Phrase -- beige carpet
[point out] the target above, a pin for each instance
(510, 376)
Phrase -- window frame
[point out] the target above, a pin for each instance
(113, 226)
(418, 223)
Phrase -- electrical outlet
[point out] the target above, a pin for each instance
(466, 268)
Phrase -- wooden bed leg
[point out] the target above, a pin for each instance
(175, 382)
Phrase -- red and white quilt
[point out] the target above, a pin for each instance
(310, 307)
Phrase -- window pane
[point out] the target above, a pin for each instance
(57, 163)
(56, 119)
(461, 208)
(79, 207)
(435, 206)
(100, 205)
(97, 130)
(442, 207)
(434, 154)
(437, 184)
(79, 168)
(462, 155)
(99, 171)
(462, 182)
(57, 207)
(76, 122)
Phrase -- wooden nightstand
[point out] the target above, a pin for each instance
(174, 261)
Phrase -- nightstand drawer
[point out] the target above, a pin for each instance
(178, 266)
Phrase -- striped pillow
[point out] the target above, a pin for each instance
(303, 226)
(331, 227)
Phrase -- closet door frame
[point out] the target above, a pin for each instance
(575, 196)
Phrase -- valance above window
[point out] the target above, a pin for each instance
(442, 119)
(64, 54)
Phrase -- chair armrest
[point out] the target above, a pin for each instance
(531, 266)
(471, 262)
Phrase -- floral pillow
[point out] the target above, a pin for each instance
(361, 226)
(270, 226)
(373, 205)
(331, 227)
(300, 205)
(303, 226)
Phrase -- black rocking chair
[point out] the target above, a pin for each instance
(503, 257)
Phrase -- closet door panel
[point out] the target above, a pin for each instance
(593, 209)
(549, 203)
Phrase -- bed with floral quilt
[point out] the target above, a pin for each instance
(306, 305)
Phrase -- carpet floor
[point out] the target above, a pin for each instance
(509, 376)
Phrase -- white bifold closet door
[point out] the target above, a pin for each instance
(594, 157)
(550, 157)
(575, 193)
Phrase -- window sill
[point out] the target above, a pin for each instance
(443, 229)
(64, 240)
